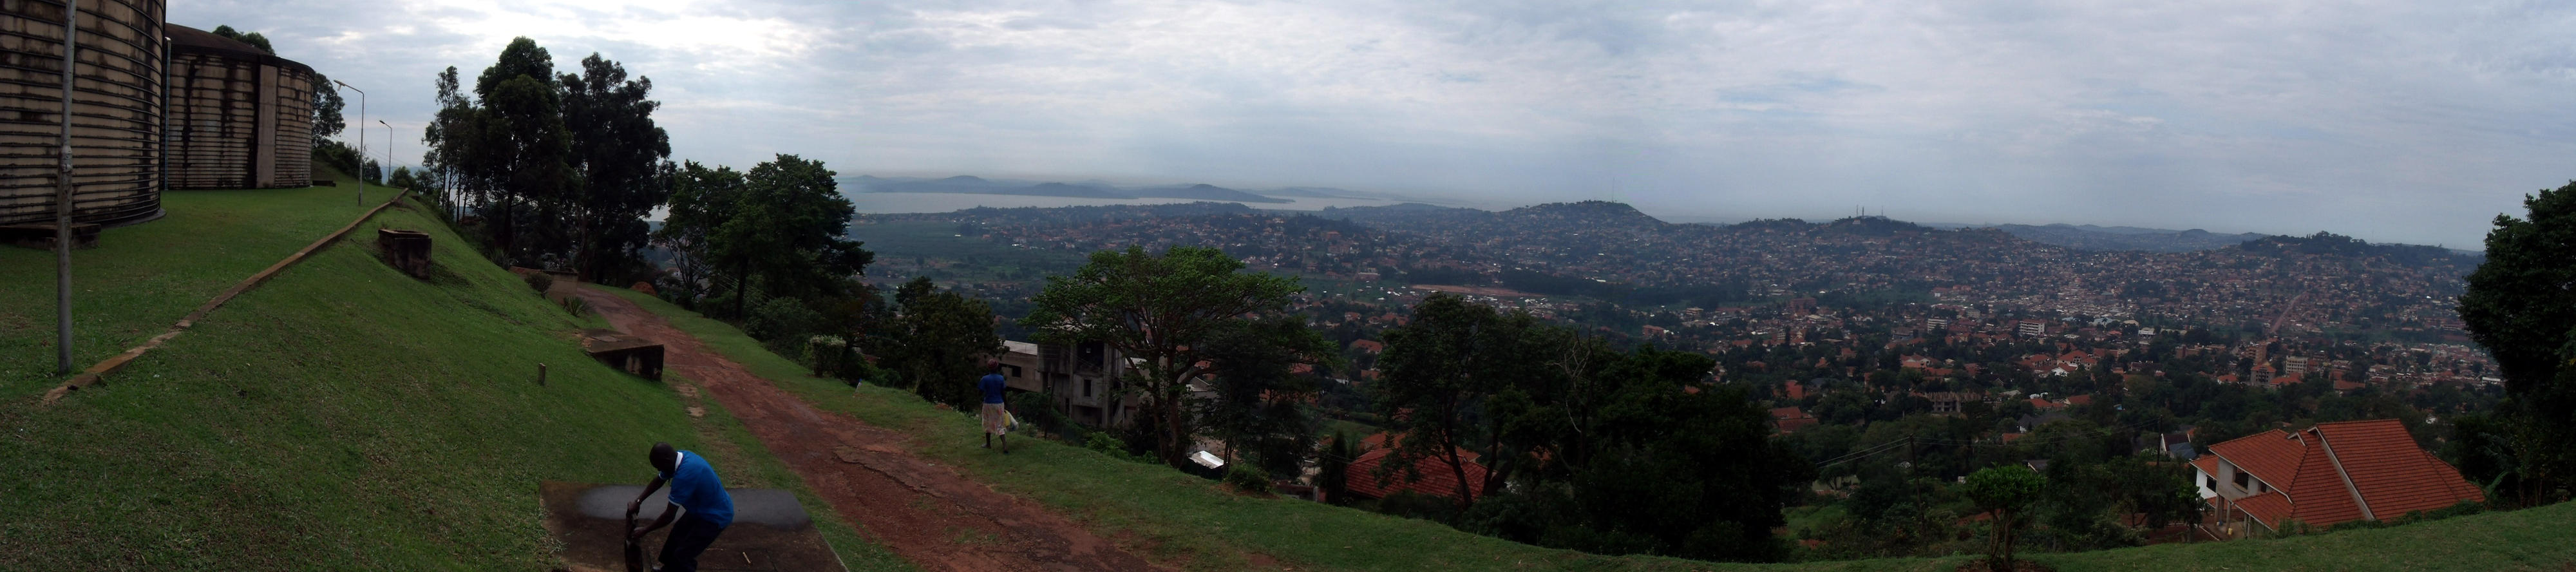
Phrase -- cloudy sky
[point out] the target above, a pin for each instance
(2390, 121)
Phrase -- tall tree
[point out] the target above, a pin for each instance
(701, 200)
(940, 343)
(2520, 304)
(1433, 370)
(2004, 490)
(1161, 310)
(618, 152)
(447, 139)
(788, 233)
(524, 149)
(327, 105)
(1259, 405)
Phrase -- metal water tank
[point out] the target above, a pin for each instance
(116, 110)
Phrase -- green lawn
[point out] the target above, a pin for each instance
(1191, 521)
(141, 278)
(341, 417)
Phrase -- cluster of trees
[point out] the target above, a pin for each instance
(1184, 314)
(2520, 306)
(561, 168)
(778, 231)
(1586, 446)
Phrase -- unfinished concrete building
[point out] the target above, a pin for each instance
(116, 111)
(240, 118)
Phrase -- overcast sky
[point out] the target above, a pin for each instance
(2390, 121)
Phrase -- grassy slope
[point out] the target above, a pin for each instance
(343, 416)
(143, 277)
(1191, 520)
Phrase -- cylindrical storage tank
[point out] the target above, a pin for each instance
(116, 111)
(240, 117)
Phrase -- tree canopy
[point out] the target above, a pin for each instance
(1604, 451)
(2520, 304)
(1162, 310)
(940, 342)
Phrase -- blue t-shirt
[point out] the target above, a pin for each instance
(694, 486)
(992, 386)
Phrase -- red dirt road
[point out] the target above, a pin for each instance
(925, 512)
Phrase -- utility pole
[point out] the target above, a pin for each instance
(389, 143)
(63, 204)
(362, 142)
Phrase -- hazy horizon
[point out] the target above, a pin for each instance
(2412, 122)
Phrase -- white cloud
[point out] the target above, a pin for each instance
(2413, 121)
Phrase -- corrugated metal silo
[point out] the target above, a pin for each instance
(116, 110)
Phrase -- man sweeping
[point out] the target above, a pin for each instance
(694, 489)
(996, 419)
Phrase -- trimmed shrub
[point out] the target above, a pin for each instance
(540, 281)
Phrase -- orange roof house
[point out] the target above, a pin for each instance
(1439, 479)
(1790, 419)
(2329, 474)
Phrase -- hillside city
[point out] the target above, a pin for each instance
(744, 323)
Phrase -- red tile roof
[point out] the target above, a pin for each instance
(1791, 419)
(2394, 476)
(1438, 478)
(2269, 455)
(2340, 472)
(2269, 508)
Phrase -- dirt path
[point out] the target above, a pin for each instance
(926, 512)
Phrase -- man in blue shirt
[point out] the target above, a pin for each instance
(694, 488)
(996, 419)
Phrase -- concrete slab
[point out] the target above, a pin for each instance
(770, 530)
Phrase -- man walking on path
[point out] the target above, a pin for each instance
(996, 419)
(694, 488)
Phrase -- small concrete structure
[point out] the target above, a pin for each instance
(770, 530)
(407, 250)
(626, 352)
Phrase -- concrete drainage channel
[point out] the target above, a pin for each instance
(98, 372)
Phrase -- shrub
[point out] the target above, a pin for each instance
(780, 319)
(541, 281)
(1114, 447)
(1246, 477)
(830, 355)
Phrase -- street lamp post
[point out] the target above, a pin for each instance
(362, 140)
(63, 204)
(389, 145)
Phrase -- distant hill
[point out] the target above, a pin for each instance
(2336, 244)
(1605, 213)
(972, 185)
(1313, 192)
(1204, 192)
(2090, 237)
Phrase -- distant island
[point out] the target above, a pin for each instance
(973, 185)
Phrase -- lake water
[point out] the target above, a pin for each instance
(899, 203)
